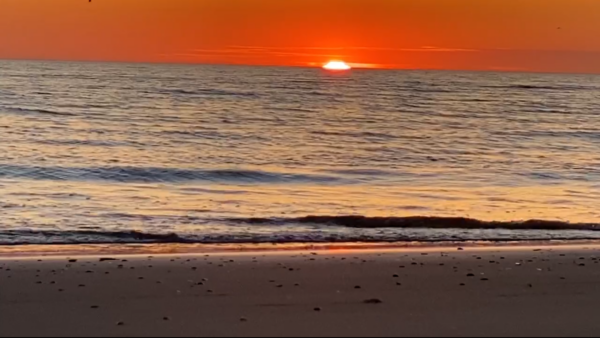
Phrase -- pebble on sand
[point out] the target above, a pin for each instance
(373, 301)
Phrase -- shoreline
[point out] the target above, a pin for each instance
(132, 250)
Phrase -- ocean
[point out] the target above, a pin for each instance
(141, 153)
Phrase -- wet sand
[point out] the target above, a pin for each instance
(487, 292)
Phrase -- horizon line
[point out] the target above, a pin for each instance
(191, 63)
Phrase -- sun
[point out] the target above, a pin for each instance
(337, 65)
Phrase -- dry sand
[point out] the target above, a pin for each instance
(487, 292)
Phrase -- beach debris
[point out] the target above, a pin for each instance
(106, 259)
(460, 249)
(166, 319)
(81, 285)
(485, 279)
(95, 307)
(462, 284)
(471, 275)
(373, 301)
(72, 261)
(398, 284)
(243, 319)
(120, 324)
(396, 276)
(318, 309)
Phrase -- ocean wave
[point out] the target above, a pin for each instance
(366, 230)
(418, 222)
(542, 87)
(24, 237)
(208, 92)
(157, 175)
(20, 110)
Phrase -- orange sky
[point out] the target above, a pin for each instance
(439, 34)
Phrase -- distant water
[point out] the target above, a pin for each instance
(103, 153)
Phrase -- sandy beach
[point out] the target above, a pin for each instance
(488, 292)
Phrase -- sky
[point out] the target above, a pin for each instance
(512, 35)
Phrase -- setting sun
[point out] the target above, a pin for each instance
(337, 65)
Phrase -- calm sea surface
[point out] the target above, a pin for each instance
(92, 152)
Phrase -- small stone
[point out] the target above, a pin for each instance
(94, 307)
(243, 319)
(373, 301)
(460, 249)
(398, 284)
(484, 279)
(462, 284)
(81, 285)
(317, 309)
(396, 276)
(358, 287)
(120, 324)
(471, 275)
(72, 261)
(166, 319)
